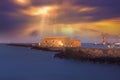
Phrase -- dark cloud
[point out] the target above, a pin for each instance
(105, 10)
(74, 16)
(34, 33)
(46, 2)
(11, 23)
(10, 18)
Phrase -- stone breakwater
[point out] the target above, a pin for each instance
(94, 55)
(83, 54)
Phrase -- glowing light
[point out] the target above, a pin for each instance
(36, 11)
(45, 10)
(87, 9)
(22, 2)
(60, 43)
(41, 11)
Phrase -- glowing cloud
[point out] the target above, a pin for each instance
(36, 11)
(87, 9)
(44, 10)
(22, 2)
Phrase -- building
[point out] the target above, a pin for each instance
(74, 43)
(59, 41)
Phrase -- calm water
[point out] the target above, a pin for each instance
(18, 63)
(91, 45)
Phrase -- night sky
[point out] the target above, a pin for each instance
(30, 20)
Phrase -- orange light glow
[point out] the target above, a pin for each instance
(36, 11)
(22, 2)
(45, 10)
(87, 9)
(60, 43)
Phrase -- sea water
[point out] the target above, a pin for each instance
(21, 63)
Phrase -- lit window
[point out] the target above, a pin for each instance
(60, 43)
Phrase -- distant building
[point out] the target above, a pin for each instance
(59, 41)
(74, 43)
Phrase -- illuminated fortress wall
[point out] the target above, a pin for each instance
(59, 42)
(74, 43)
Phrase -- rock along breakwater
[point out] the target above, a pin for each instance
(90, 54)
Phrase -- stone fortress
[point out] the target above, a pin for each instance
(59, 41)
